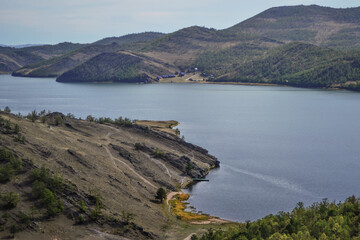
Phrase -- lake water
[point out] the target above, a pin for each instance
(277, 145)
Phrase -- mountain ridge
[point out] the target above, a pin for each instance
(219, 53)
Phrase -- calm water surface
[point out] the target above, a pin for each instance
(277, 145)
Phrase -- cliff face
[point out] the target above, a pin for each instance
(110, 174)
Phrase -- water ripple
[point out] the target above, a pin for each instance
(276, 181)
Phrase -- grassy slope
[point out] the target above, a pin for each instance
(15, 58)
(131, 38)
(56, 66)
(114, 67)
(323, 26)
(92, 159)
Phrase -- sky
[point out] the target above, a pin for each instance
(85, 21)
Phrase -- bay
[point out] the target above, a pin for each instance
(277, 145)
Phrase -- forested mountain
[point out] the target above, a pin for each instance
(307, 46)
(301, 65)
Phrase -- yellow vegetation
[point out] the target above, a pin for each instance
(178, 207)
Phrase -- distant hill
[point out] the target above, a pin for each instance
(21, 45)
(131, 38)
(115, 67)
(322, 26)
(56, 66)
(317, 41)
(12, 59)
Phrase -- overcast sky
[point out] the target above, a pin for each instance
(48, 21)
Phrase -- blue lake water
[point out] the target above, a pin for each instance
(277, 145)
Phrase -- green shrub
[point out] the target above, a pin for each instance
(97, 212)
(189, 167)
(17, 129)
(82, 206)
(24, 218)
(158, 153)
(7, 109)
(55, 183)
(20, 138)
(80, 219)
(43, 119)
(127, 217)
(48, 198)
(6, 173)
(14, 229)
(58, 121)
(7, 126)
(45, 186)
(10, 200)
(160, 194)
(11, 167)
(33, 116)
(137, 146)
(90, 118)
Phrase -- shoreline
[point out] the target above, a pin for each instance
(208, 219)
(195, 82)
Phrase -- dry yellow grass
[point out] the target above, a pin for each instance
(178, 206)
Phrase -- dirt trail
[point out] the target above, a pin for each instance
(108, 135)
(159, 163)
(131, 169)
(189, 237)
(171, 195)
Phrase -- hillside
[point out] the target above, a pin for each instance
(169, 53)
(12, 59)
(58, 65)
(300, 65)
(66, 178)
(305, 46)
(322, 26)
(116, 67)
(131, 38)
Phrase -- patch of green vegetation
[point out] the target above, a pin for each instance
(96, 212)
(45, 187)
(105, 67)
(160, 194)
(33, 116)
(120, 121)
(300, 65)
(9, 165)
(158, 153)
(137, 146)
(221, 60)
(9, 200)
(131, 38)
(322, 220)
